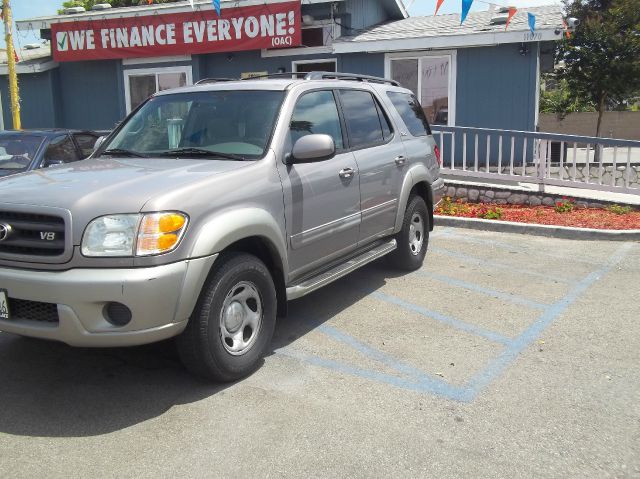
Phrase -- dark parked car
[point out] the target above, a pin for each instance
(32, 149)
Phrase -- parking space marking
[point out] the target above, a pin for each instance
(467, 258)
(414, 379)
(513, 298)
(456, 323)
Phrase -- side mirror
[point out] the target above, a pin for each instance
(52, 162)
(311, 148)
(98, 142)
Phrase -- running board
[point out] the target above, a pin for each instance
(316, 282)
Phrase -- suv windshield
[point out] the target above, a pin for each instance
(16, 152)
(232, 125)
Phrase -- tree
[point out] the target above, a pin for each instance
(87, 4)
(602, 57)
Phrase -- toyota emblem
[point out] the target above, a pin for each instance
(5, 230)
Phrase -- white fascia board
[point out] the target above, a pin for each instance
(451, 41)
(32, 68)
(43, 23)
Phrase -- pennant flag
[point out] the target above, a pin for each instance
(565, 27)
(191, 2)
(466, 5)
(512, 12)
(216, 4)
(15, 55)
(438, 5)
(532, 22)
(149, 2)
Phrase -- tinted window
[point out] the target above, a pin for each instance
(363, 120)
(16, 152)
(316, 112)
(61, 148)
(85, 143)
(411, 112)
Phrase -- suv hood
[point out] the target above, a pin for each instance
(97, 187)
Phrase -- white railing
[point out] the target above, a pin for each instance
(542, 158)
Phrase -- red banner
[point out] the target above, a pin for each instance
(273, 25)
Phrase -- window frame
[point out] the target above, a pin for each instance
(343, 127)
(380, 109)
(127, 74)
(453, 73)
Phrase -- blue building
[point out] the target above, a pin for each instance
(476, 74)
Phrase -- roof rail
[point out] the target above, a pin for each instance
(349, 76)
(213, 80)
(275, 75)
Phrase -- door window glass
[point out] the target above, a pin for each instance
(411, 113)
(62, 149)
(362, 118)
(316, 112)
(85, 143)
(141, 87)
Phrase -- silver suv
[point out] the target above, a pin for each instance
(209, 207)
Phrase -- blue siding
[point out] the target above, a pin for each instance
(496, 87)
(363, 63)
(37, 106)
(91, 94)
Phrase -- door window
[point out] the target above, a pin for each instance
(411, 113)
(62, 149)
(316, 112)
(85, 143)
(366, 123)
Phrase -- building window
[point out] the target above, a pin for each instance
(330, 65)
(140, 84)
(432, 79)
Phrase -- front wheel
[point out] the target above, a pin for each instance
(413, 238)
(233, 322)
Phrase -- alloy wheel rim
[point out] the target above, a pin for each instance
(241, 318)
(416, 234)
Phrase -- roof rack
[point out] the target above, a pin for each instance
(213, 80)
(275, 75)
(349, 76)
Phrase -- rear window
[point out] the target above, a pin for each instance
(366, 123)
(411, 113)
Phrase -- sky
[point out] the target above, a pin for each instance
(35, 8)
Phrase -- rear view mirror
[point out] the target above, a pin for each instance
(312, 148)
(98, 142)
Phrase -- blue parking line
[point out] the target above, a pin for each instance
(456, 323)
(492, 263)
(499, 364)
(426, 385)
(513, 298)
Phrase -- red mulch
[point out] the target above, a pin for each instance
(545, 215)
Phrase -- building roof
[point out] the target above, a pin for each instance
(32, 58)
(444, 31)
(41, 23)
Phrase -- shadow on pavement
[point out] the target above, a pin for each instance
(49, 389)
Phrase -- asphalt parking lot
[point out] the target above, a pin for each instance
(505, 356)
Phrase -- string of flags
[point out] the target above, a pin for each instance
(531, 18)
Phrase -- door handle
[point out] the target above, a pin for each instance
(346, 173)
(400, 160)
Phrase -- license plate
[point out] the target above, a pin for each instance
(4, 305)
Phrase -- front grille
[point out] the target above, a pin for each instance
(31, 234)
(33, 310)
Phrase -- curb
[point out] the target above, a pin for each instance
(537, 230)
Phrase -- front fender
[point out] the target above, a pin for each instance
(226, 228)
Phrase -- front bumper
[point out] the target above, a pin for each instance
(160, 298)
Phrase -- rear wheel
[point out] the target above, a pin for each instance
(413, 238)
(232, 325)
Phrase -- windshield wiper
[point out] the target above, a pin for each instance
(190, 151)
(123, 152)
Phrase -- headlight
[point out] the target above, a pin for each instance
(126, 235)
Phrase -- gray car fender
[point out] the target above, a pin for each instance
(416, 174)
(224, 229)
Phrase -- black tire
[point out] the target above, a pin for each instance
(406, 257)
(201, 346)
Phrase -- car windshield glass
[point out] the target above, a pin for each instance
(16, 152)
(234, 124)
